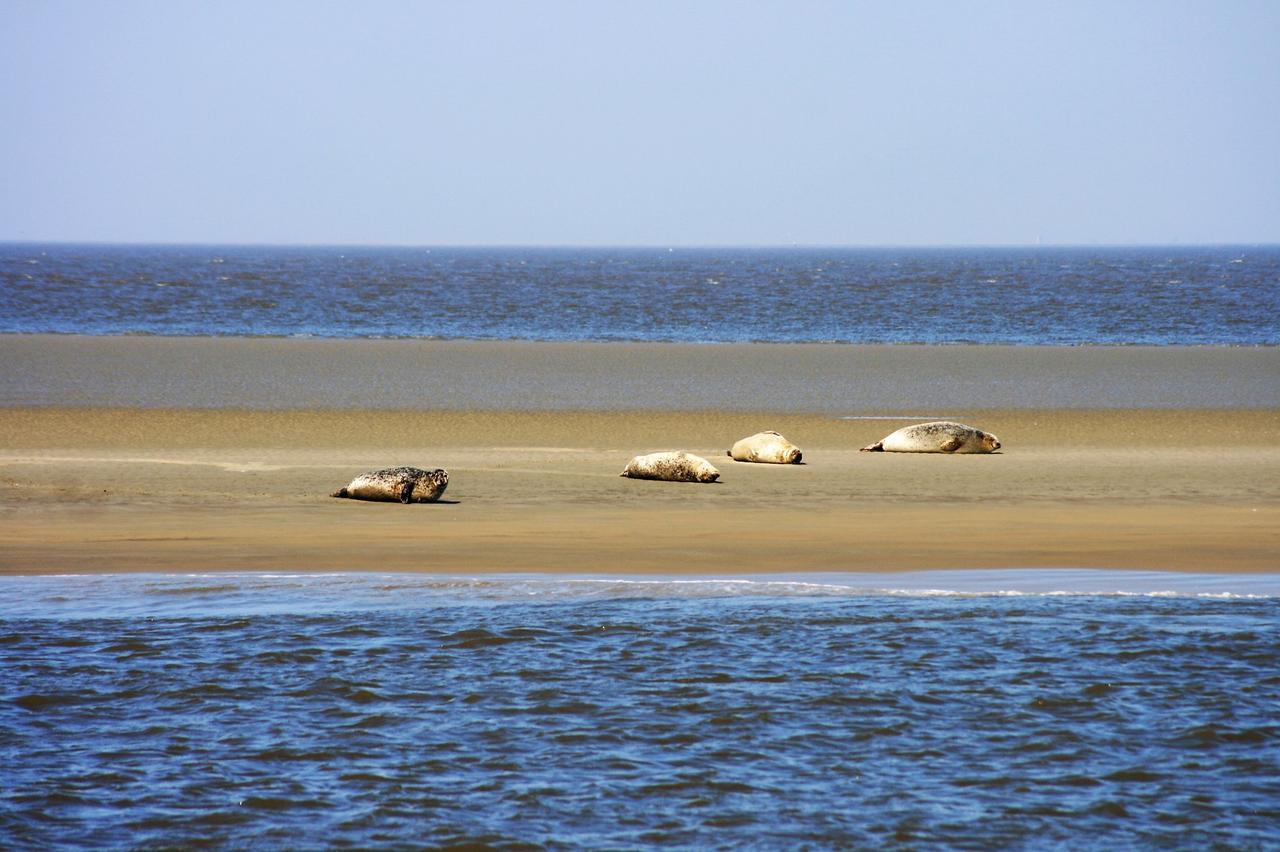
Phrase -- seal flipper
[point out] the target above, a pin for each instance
(952, 444)
(341, 492)
(877, 447)
(406, 493)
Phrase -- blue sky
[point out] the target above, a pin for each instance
(590, 123)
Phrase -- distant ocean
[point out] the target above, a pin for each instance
(1056, 296)
(968, 710)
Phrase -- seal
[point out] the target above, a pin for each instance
(402, 484)
(676, 466)
(941, 436)
(767, 448)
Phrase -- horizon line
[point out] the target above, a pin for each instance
(632, 246)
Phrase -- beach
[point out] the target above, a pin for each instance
(211, 454)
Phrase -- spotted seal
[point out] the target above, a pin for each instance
(403, 484)
(766, 447)
(676, 466)
(941, 436)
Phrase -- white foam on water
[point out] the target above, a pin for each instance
(233, 593)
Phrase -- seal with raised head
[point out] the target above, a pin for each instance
(676, 466)
(397, 484)
(941, 436)
(767, 448)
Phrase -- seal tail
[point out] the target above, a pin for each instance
(341, 492)
(877, 447)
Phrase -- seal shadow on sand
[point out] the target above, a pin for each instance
(758, 464)
(428, 503)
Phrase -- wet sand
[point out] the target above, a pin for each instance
(277, 373)
(101, 488)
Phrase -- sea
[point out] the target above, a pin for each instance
(1038, 709)
(950, 709)
(1227, 295)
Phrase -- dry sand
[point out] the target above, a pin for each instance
(170, 489)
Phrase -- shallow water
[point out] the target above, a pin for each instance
(956, 708)
(1063, 296)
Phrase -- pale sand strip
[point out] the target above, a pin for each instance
(101, 489)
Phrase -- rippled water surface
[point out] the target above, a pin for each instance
(1173, 295)
(366, 710)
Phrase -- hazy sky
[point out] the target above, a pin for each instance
(640, 123)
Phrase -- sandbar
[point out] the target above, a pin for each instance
(111, 489)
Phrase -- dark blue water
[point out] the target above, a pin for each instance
(348, 710)
(1227, 295)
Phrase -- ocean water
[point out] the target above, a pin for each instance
(1050, 709)
(1059, 296)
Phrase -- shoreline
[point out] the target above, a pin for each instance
(163, 594)
(620, 341)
